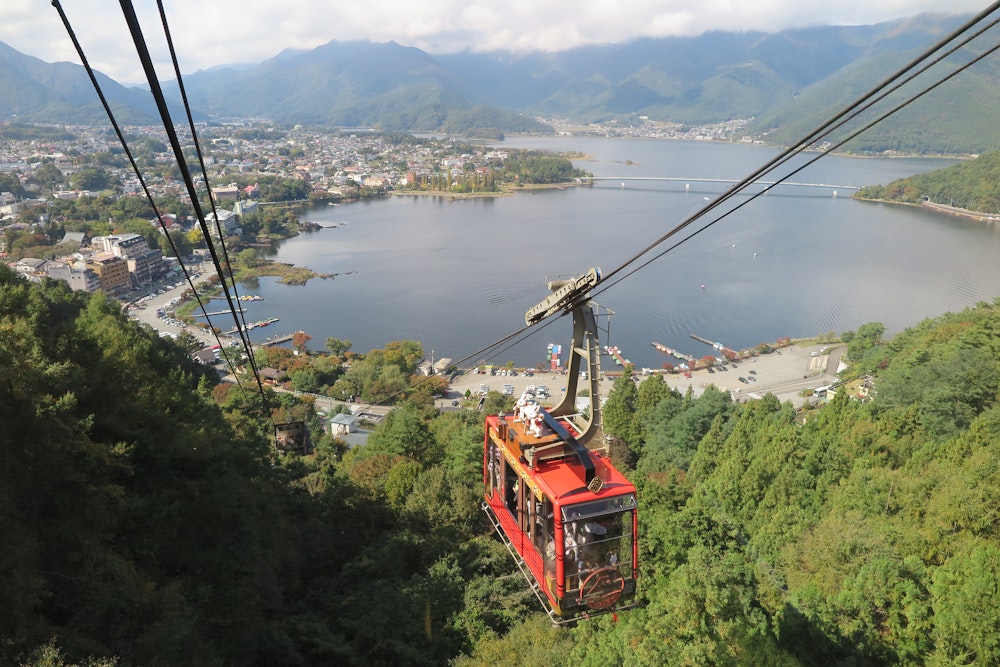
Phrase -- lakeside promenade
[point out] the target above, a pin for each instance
(786, 374)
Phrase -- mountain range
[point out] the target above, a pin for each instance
(786, 82)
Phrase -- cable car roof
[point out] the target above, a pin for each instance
(562, 479)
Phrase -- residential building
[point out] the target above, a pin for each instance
(79, 280)
(228, 221)
(145, 265)
(341, 425)
(113, 273)
(31, 268)
(229, 192)
(242, 208)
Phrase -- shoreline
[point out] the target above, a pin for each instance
(505, 192)
(979, 216)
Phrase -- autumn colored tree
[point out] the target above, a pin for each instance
(300, 339)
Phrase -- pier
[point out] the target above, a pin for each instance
(253, 325)
(728, 352)
(278, 340)
(218, 312)
(672, 352)
(616, 354)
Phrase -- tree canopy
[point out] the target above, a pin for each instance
(146, 518)
(973, 185)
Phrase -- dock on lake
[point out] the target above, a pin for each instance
(278, 340)
(218, 312)
(672, 352)
(728, 352)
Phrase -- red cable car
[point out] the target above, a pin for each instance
(565, 513)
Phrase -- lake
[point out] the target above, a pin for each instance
(459, 274)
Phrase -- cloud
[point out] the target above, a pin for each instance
(218, 32)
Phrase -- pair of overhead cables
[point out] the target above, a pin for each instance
(961, 37)
(957, 39)
(867, 101)
(160, 100)
(894, 82)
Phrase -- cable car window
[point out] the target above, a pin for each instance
(598, 535)
(511, 487)
(598, 507)
(494, 468)
(527, 506)
(545, 539)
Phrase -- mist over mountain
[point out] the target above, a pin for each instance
(787, 82)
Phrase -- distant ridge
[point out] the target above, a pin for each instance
(787, 82)
(32, 90)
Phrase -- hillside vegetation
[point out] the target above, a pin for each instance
(144, 520)
(972, 185)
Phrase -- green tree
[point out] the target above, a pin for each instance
(47, 175)
(91, 178)
(404, 354)
(304, 379)
(337, 347)
(866, 338)
(619, 412)
(247, 258)
(132, 206)
(12, 184)
(405, 432)
(966, 614)
(180, 242)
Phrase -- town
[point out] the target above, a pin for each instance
(59, 187)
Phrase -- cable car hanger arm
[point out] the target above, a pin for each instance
(565, 295)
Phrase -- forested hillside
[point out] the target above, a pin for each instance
(972, 185)
(144, 521)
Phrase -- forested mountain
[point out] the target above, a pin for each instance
(956, 118)
(788, 82)
(353, 84)
(972, 185)
(32, 90)
(144, 520)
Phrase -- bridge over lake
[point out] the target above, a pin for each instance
(725, 181)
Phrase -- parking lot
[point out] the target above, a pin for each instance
(786, 374)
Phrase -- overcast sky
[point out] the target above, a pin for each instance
(207, 33)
